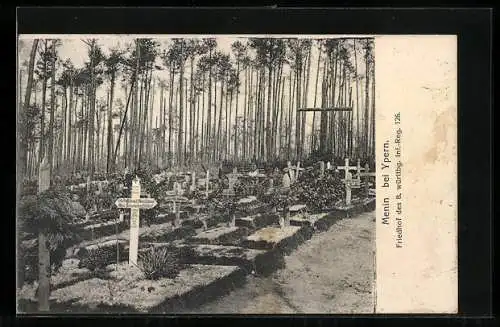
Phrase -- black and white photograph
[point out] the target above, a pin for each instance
(204, 174)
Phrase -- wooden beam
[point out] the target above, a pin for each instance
(326, 109)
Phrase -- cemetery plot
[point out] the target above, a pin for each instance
(258, 220)
(125, 289)
(284, 239)
(252, 261)
(222, 235)
(253, 243)
(318, 222)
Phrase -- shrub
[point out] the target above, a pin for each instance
(159, 263)
(99, 258)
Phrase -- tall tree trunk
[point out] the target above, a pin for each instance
(133, 82)
(357, 98)
(236, 110)
(192, 130)
(161, 133)
(150, 112)
(268, 112)
(372, 152)
(110, 123)
(290, 113)
(315, 99)
(170, 116)
(52, 108)
(297, 114)
(23, 150)
(41, 148)
(367, 100)
(217, 151)
(27, 98)
(209, 112)
(245, 109)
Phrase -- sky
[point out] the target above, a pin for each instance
(72, 47)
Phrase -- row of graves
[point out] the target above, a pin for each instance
(184, 238)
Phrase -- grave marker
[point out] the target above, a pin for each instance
(285, 189)
(348, 186)
(193, 182)
(321, 168)
(291, 172)
(286, 181)
(134, 203)
(297, 169)
(359, 170)
(365, 175)
(346, 167)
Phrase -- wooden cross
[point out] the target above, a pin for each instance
(297, 170)
(348, 181)
(321, 168)
(359, 170)
(348, 187)
(193, 181)
(135, 203)
(175, 196)
(291, 172)
(346, 167)
(366, 174)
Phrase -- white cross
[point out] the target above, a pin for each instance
(134, 203)
(298, 169)
(346, 167)
(348, 185)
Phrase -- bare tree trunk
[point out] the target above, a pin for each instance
(23, 150)
(41, 149)
(191, 113)
(372, 152)
(27, 97)
(367, 100)
(110, 123)
(315, 98)
(304, 102)
(52, 108)
(124, 119)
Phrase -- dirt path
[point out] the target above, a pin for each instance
(331, 273)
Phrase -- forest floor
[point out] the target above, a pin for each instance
(333, 272)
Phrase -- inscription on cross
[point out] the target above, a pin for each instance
(135, 203)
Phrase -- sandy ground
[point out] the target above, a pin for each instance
(331, 273)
